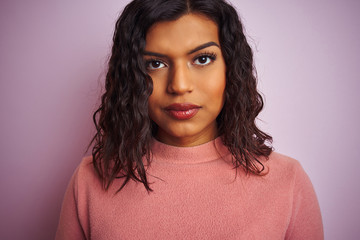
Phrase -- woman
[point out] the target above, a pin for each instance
(177, 154)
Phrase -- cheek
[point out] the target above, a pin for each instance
(159, 82)
(155, 103)
(214, 87)
(152, 107)
(152, 104)
(156, 93)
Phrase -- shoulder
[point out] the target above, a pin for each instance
(287, 175)
(282, 168)
(277, 162)
(86, 167)
(281, 160)
(85, 175)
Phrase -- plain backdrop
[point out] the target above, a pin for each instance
(52, 63)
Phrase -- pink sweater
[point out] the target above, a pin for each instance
(197, 195)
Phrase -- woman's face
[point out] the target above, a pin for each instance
(184, 60)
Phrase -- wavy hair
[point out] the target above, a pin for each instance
(123, 127)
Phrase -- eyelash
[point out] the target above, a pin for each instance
(151, 60)
(212, 56)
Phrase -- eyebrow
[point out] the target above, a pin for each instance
(202, 46)
(198, 48)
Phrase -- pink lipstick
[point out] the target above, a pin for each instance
(182, 111)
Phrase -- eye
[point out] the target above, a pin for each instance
(154, 64)
(205, 59)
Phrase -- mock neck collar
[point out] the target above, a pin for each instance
(206, 152)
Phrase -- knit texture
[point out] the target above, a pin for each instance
(197, 195)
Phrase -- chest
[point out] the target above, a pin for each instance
(199, 208)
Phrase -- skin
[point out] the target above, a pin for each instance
(186, 65)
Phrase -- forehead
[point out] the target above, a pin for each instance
(185, 33)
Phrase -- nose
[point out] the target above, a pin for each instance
(180, 81)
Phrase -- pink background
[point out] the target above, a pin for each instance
(52, 58)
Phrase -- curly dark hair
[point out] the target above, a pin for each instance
(124, 129)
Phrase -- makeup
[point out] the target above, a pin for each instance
(182, 111)
(188, 73)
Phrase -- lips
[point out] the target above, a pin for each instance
(182, 111)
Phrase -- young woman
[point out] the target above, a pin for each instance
(177, 154)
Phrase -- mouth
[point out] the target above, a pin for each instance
(182, 111)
